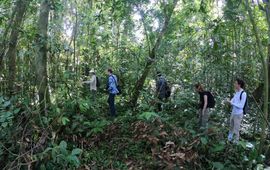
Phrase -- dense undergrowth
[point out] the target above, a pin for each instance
(76, 134)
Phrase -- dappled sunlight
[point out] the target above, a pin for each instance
(152, 84)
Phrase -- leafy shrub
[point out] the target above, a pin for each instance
(148, 116)
(59, 157)
(7, 112)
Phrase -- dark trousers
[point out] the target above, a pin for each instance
(111, 100)
(159, 103)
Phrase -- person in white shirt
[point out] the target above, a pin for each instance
(93, 84)
(238, 103)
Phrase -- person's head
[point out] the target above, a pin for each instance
(239, 84)
(92, 72)
(110, 71)
(199, 87)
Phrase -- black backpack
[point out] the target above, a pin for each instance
(168, 90)
(246, 108)
(97, 82)
(211, 100)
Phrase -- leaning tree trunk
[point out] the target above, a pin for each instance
(264, 62)
(152, 56)
(20, 10)
(41, 58)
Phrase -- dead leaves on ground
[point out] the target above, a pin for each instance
(161, 144)
(169, 154)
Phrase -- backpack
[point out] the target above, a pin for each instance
(167, 90)
(246, 108)
(97, 82)
(211, 100)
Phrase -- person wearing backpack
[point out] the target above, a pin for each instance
(113, 91)
(92, 84)
(161, 90)
(238, 103)
(206, 101)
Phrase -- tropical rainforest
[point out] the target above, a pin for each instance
(48, 119)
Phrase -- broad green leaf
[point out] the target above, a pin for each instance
(76, 151)
(218, 165)
(16, 110)
(63, 144)
(7, 103)
(218, 148)
(204, 140)
(65, 120)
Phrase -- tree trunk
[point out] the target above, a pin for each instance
(13, 40)
(267, 12)
(41, 59)
(152, 56)
(264, 61)
(5, 34)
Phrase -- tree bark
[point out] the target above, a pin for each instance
(13, 41)
(41, 59)
(152, 56)
(264, 61)
(267, 12)
(6, 33)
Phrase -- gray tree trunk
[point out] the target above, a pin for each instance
(20, 10)
(41, 58)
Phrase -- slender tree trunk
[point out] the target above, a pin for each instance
(267, 12)
(152, 56)
(12, 46)
(264, 61)
(41, 59)
(6, 33)
(74, 38)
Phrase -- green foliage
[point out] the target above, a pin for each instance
(7, 113)
(59, 156)
(148, 116)
(95, 127)
(211, 42)
(218, 165)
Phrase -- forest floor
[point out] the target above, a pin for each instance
(78, 135)
(167, 140)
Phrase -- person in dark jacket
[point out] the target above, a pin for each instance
(160, 90)
(113, 91)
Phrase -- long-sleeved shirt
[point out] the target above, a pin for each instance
(112, 84)
(237, 104)
(92, 82)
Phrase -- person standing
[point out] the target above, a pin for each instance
(160, 90)
(238, 103)
(206, 102)
(93, 84)
(112, 89)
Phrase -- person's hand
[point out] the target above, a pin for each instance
(228, 101)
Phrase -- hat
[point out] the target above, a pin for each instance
(92, 71)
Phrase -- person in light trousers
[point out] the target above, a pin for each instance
(238, 103)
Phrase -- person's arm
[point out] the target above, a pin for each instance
(87, 82)
(110, 83)
(205, 99)
(241, 103)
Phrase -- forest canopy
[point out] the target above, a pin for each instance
(63, 62)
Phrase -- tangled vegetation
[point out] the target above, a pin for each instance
(49, 120)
